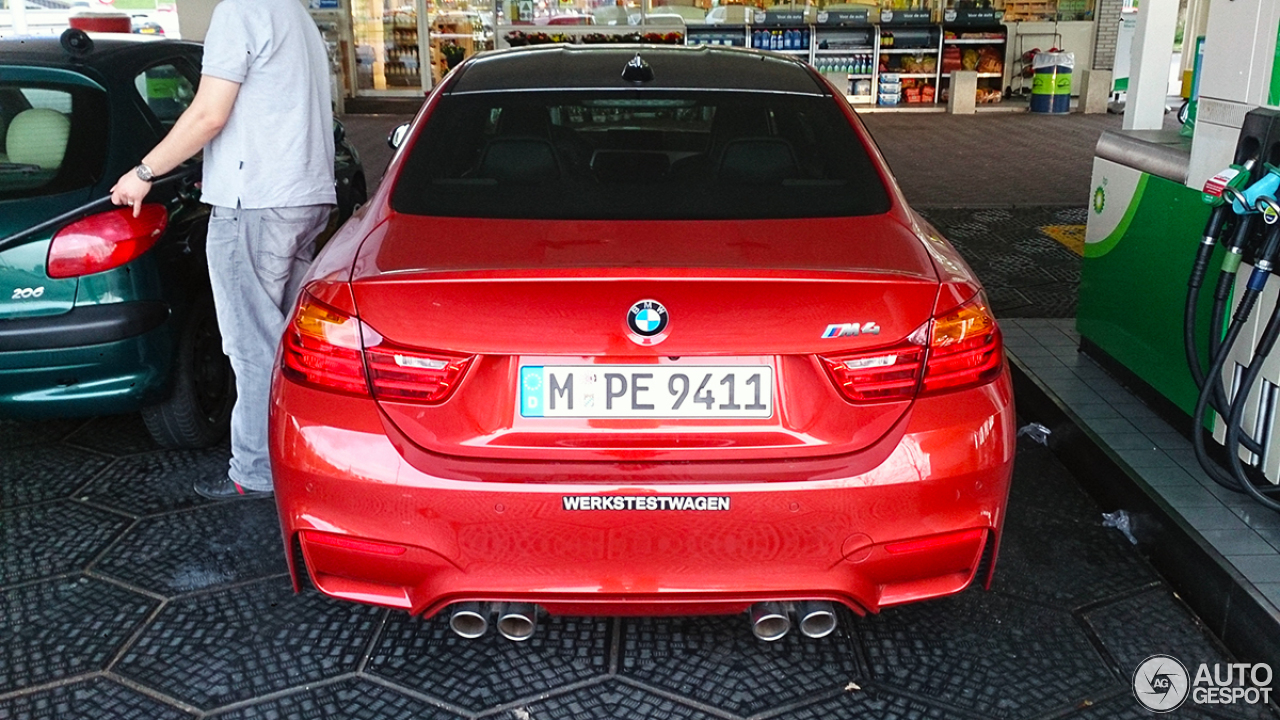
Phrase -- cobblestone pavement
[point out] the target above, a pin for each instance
(1026, 272)
(124, 595)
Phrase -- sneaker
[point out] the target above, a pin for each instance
(221, 487)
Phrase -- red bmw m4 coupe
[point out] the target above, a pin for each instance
(644, 330)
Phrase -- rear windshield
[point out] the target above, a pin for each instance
(638, 156)
(53, 138)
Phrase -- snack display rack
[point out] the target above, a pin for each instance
(974, 40)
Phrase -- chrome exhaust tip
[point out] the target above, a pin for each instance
(817, 618)
(769, 621)
(469, 620)
(517, 621)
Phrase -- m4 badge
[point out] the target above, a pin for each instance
(851, 330)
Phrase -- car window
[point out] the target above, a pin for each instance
(644, 155)
(53, 138)
(166, 90)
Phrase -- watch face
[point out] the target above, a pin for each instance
(144, 173)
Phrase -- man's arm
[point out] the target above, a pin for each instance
(199, 124)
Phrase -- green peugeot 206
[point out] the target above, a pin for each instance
(102, 312)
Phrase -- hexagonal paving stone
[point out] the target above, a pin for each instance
(1125, 707)
(116, 435)
(39, 474)
(996, 656)
(95, 699)
(609, 701)
(717, 661)
(874, 703)
(219, 648)
(156, 482)
(64, 628)
(1157, 623)
(478, 674)
(213, 545)
(50, 539)
(1065, 563)
(21, 433)
(351, 699)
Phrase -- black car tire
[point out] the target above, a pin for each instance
(197, 412)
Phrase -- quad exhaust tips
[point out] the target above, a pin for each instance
(771, 621)
(469, 620)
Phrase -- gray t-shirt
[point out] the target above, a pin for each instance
(276, 149)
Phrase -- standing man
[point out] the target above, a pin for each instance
(262, 116)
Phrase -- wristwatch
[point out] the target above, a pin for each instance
(144, 172)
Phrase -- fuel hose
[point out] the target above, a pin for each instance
(1236, 479)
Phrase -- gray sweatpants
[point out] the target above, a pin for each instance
(257, 259)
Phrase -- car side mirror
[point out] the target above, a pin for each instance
(339, 132)
(397, 136)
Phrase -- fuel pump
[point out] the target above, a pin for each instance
(1239, 209)
(1262, 270)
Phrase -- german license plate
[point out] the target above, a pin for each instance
(646, 391)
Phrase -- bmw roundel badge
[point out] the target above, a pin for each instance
(647, 321)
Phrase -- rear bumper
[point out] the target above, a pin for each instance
(429, 531)
(80, 326)
(91, 361)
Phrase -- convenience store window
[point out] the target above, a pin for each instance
(405, 48)
(388, 54)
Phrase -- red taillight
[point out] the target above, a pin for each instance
(322, 348)
(964, 349)
(883, 374)
(399, 373)
(347, 543)
(104, 241)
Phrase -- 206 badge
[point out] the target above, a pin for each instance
(647, 321)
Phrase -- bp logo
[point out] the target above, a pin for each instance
(1161, 683)
(1099, 200)
(647, 321)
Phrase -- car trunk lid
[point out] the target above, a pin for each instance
(761, 299)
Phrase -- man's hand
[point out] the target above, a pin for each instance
(130, 190)
(199, 124)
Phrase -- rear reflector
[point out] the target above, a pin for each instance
(322, 348)
(105, 241)
(935, 542)
(347, 543)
